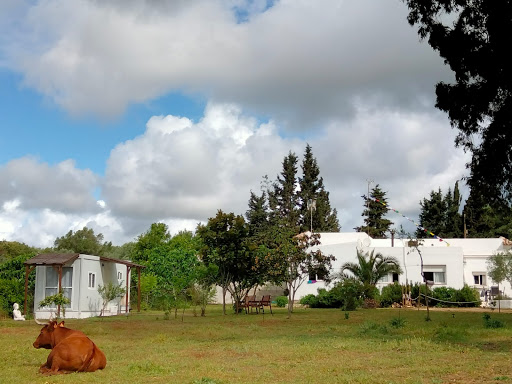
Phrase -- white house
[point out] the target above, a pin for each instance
(78, 276)
(449, 263)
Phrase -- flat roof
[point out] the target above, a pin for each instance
(65, 258)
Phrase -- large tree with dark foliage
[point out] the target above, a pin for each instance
(474, 39)
(224, 243)
(83, 241)
(440, 214)
(487, 218)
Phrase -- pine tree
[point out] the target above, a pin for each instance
(283, 195)
(375, 224)
(314, 200)
(257, 214)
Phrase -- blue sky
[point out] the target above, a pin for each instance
(117, 114)
(35, 126)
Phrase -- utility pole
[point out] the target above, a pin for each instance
(369, 181)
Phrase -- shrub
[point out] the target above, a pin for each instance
(444, 294)
(390, 294)
(346, 295)
(281, 301)
(492, 323)
(309, 300)
(397, 322)
(468, 295)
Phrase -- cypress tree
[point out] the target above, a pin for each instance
(312, 192)
(375, 224)
(257, 214)
(432, 215)
(283, 195)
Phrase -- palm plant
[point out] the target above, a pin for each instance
(370, 268)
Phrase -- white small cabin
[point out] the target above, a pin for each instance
(78, 277)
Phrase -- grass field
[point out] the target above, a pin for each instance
(314, 346)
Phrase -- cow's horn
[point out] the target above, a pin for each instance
(40, 322)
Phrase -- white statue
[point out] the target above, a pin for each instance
(16, 313)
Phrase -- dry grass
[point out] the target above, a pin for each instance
(314, 346)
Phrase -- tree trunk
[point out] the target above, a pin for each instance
(224, 300)
(290, 299)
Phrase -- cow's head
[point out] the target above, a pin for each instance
(45, 339)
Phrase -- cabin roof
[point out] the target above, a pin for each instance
(65, 258)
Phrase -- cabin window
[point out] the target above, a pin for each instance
(92, 280)
(435, 273)
(52, 282)
(119, 275)
(479, 278)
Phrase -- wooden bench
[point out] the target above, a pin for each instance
(265, 302)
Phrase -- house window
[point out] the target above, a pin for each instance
(92, 280)
(384, 279)
(390, 277)
(119, 275)
(480, 278)
(435, 273)
(52, 282)
(317, 275)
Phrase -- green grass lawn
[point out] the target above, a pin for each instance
(314, 346)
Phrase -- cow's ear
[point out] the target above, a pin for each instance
(61, 324)
(55, 325)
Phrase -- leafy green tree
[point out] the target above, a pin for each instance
(289, 258)
(12, 249)
(58, 300)
(12, 280)
(110, 292)
(156, 236)
(174, 264)
(375, 208)
(225, 244)
(315, 208)
(473, 38)
(122, 252)
(82, 241)
(499, 267)
(370, 268)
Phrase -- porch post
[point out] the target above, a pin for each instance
(26, 289)
(60, 288)
(127, 287)
(138, 290)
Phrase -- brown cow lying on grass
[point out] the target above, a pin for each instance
(72, 350)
